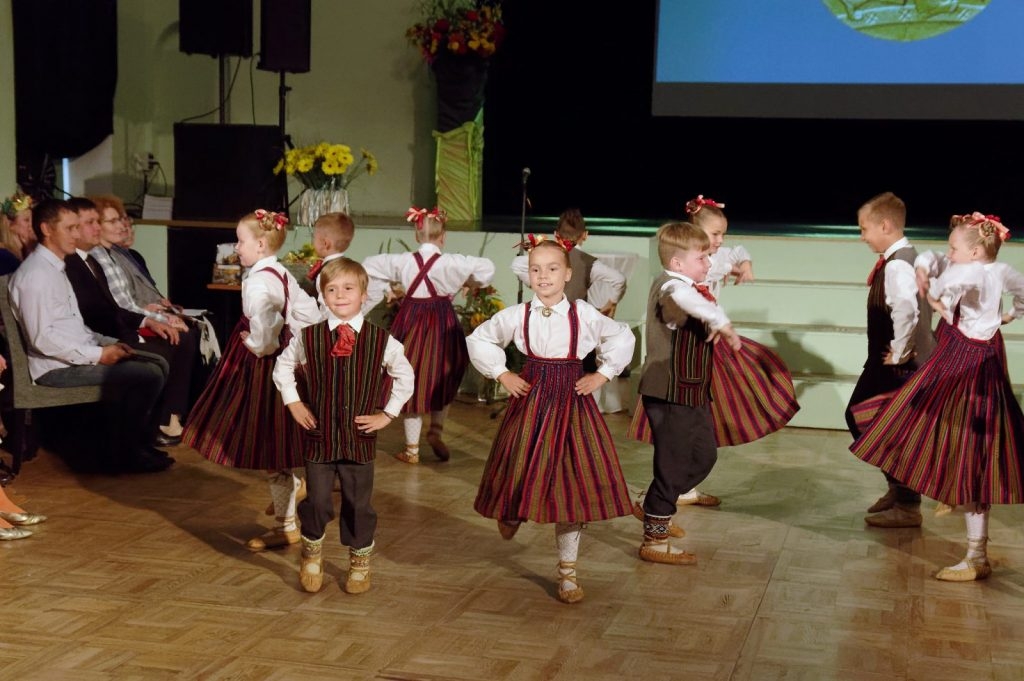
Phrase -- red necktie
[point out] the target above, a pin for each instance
(879, 264)
(315, 269)
(706, 292)
(346, 341)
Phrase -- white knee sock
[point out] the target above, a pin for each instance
(567, 539)
(413, 425)
(283, 486)
(977, 532)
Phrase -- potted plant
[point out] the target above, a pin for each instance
(325, 171)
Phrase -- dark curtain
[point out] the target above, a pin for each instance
(65, 74)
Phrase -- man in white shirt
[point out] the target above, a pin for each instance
(64, 352)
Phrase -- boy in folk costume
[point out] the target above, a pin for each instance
(683, 321)
(332, 377)
(899, 337)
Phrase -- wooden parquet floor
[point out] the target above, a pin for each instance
(147, 577)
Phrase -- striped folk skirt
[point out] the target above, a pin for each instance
(239, 419)
(954, 431)
(752, 395)
(553, 459)
(435, 346)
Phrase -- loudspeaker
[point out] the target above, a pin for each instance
(215, 27)
(284, 35)
(222, 172)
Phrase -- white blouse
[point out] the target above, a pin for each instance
(263, 302)
(722, 263)
(978, 288)
(450, 273)
(549, 337)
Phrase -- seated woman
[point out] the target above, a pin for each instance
(16, 236)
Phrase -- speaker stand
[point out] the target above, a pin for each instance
(286, 139)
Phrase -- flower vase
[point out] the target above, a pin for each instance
(315, 202)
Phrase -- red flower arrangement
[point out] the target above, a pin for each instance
(460, 27)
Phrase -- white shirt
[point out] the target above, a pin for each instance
(681, 289)
(395, 363)
(600, 273)
(978, 289)
(45, 305)
(902, 299)
(549, 337)
(722, 264)
(449, 274)
(263, 302)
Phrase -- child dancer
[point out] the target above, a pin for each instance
(342, 363)
(239, 419)
(553, 460)
(682, 321)
(752, 393)
(954, 431)
(427, 326)
(899, 330)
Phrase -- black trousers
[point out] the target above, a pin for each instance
(685, 451)
(358, 519)
(875, 380)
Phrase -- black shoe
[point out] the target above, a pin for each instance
(147, 462)
(162, 440)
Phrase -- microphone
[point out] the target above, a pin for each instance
(526, 174)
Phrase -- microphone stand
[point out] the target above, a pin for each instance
(519, 293)
(522, 231)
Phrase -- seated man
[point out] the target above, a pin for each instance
(133, 291)
(102, 314)
(64, 352)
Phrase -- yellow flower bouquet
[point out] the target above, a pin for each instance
(481, 304)
(326, 165)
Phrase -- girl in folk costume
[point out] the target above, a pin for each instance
(553, 459)
(954, 431)
(752, 393)
(239, 419)
(426, 323)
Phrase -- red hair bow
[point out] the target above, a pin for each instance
(270, 220)
(977, 221)
(534, 240)
(417, 215)
(694, 205)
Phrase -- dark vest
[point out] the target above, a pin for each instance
(678, 363)
(880, 329)
(581, 264)
(337, 389)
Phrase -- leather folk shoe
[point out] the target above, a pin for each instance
(508, 528)
(973, 569)
(12, 533)
(660, 551)
(311, 565)
(438, 446)
(884, 502)
(673, 530)
(897, 516)
(698, 498)
(274, 539)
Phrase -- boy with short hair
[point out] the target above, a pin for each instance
(899, 336)
(683, 322)
(333, 377)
